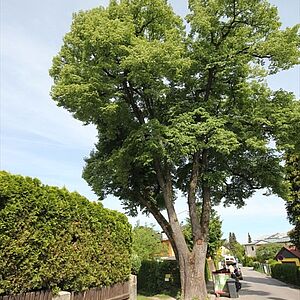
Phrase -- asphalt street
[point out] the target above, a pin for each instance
(257, 286)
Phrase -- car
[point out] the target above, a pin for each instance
(229, 260)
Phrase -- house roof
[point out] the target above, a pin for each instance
(295, 251)
(292, 250)
(273, 238)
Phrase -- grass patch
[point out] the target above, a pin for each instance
(141, 297)
(162, 296)
(159, 296)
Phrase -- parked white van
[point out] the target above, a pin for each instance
(229, 260)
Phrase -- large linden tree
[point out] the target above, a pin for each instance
(181, 111)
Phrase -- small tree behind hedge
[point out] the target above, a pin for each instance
(146, 242)
(268, 251)
(53, 239)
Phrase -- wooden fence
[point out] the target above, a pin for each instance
(119, 291)
(42, 295)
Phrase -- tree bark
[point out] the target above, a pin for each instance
(193, 186)
(206, 204)
(193, 266)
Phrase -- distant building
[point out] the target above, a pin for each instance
(165, 241)
(278, 238)
(289, 255)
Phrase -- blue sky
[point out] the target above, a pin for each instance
(39, 139)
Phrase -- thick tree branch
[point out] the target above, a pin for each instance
(267, 56)
(138, 32)
(147, 101)
(209, 83)
(149, 107)
(193, 184)
(206, 205)
(161, 220)
(231, 25)
(165, 182)
(129, 97)
(108, 73)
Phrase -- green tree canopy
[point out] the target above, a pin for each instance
(249, 238)
(147, 243)
(268, 251)
(181, 111)
(236, 249)
(293, 201)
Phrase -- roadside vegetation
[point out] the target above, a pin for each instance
(267, 252)
(52, 239)
(292, 169)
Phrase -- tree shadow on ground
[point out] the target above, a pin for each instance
(268, 281)
(247, 292)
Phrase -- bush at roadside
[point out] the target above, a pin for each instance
(248, 261)
(288, 273)
(158, 277)
(53, 239)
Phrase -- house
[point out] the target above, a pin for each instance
(288, 255)
(165, 241)
(277, 238)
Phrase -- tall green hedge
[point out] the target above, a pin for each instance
(147, 277)
(288, 273)
(152, 274)
(53, 239)
(152, 277)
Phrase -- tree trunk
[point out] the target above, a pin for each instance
(191, 264)
(192, 273)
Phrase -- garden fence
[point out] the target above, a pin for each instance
(119, 291)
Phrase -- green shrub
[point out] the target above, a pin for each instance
(285, 272)
(248, 261)
(272, 262)
(135, 263)
(152, 277)
(257, 266)
(53, 239)
(152, 274)
(147, 277)
(168, 268)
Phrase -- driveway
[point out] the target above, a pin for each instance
(256, 286)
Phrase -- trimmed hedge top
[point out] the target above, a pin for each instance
(53, 239)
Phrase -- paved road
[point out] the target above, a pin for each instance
(259, 286)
